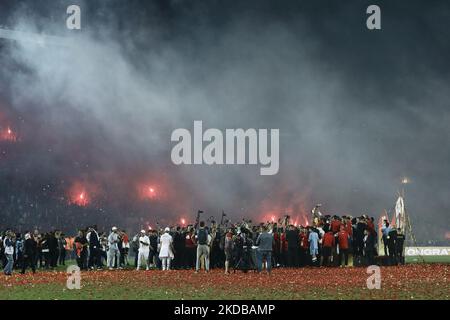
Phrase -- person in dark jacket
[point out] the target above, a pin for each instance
(18, 252)
(293, 241)
(361, 226)
(29, 253)
(369, 247)
(399, 246)
(217, 254)
(52, 243)
(94, 248)
(392, 245)
(62, 243)
(45, 250)
(178, 243)
(81, 245)
(189, 249)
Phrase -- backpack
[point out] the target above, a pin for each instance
(202, 236)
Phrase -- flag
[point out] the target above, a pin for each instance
(400, 214)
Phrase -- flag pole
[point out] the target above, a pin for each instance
(407, 222)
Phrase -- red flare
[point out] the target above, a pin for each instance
(8, 135)
(78, 195)
(149, 191)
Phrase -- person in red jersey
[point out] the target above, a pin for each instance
(304, 246)
(348, 225)
(327, 247)
(336, 224)
(370, 225)
(343, 239)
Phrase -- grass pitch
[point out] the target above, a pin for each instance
(413, 281)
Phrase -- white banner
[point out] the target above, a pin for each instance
(427, 251)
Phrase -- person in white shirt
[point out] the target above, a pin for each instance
(8, 244)
(144, 250)
(166, 251)
(113, 252)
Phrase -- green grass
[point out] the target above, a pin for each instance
(114, 292)
(428, 259)
(413, 281)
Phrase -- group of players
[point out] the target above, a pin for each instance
(329, 241)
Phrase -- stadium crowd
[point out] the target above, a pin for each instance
(330, 241)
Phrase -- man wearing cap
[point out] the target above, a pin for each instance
(113, 252)
(144, 250)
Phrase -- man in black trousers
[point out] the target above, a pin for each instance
(29, 253)
(178, 243)
(392, 245)
(53, 249)
(293, 240)
(399, 243)
(94, 248)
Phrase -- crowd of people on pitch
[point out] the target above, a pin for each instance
(330, 241)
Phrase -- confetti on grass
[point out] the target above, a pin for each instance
(417, 281)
